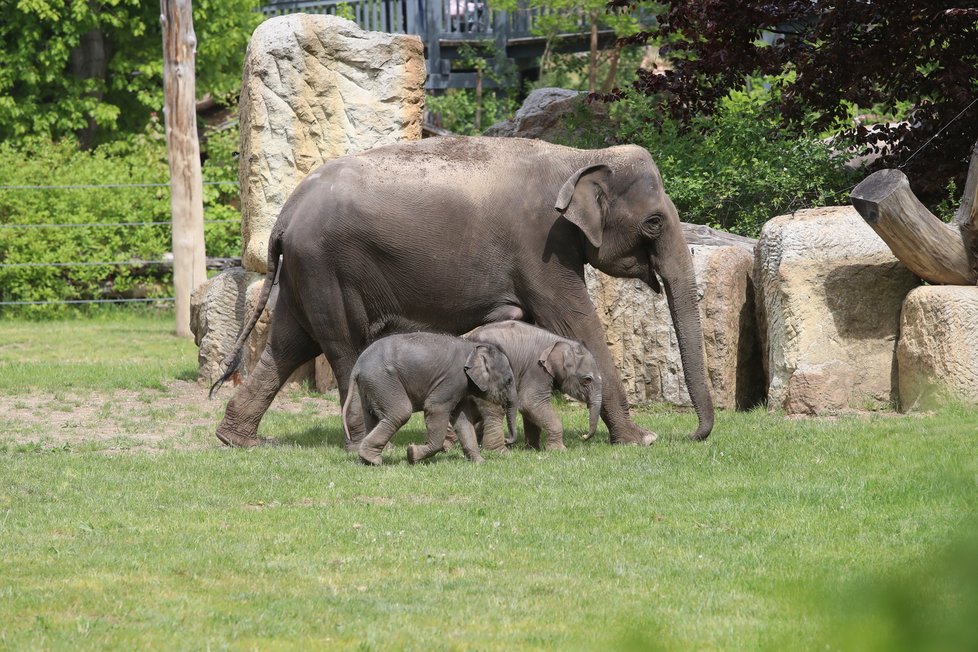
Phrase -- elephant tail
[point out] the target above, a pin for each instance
(352, 390)
(233, 360)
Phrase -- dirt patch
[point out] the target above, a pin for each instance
(176, 416)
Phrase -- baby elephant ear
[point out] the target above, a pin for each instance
(553, 357)
(583, 200)
(477, 367)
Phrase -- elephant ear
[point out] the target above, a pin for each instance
(583, 200)
(477, 367)
(554, 357)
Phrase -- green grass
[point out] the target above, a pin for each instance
(776, 533)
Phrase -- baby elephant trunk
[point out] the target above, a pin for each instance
(512, 407)
(594, 408)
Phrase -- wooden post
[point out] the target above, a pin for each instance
(186, 187)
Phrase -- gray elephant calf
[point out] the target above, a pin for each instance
(402, 374)
(542, 362)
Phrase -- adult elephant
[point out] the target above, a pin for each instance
(446, 234)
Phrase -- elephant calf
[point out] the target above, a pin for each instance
(401, 374)
(542, 362)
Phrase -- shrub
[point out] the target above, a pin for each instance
(736, 169)
(112, 184)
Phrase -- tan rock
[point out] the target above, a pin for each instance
(829, 298)
(316, 87)
(937, 356)
(643, 341)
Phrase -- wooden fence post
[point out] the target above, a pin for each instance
(186, 187)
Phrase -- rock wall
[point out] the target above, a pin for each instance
(643, 341)
(937, 355)
(829, 299)
(315, 87)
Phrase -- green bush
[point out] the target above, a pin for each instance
(736, 170)
(125, 173)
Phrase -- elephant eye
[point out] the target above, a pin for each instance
(652, 226)
(588, 379)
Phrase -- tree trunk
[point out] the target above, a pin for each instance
(186, 187)
(929, 248)
(966, 218)
(89, 60)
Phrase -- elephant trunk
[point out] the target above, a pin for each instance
(594, 409)
(511, 424)
(679, 283)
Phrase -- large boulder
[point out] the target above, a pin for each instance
(643, 341)
(829, 299)
(315, 87)
(937, 356)
(542, 113)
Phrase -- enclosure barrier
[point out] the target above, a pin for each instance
(213, 263)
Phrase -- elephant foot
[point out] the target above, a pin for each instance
(370, 456)
(632, 434)
(556, 446)
(235, 440)
(475, 457)
(412, 454)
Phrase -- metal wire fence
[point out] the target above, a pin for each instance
(161, 265)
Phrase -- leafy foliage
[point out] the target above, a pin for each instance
(736, 169)
(65, 67)
(879, 56)
(120, 166)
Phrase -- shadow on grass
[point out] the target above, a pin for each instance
(330, 436)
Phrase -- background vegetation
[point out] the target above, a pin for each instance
(751, 110)
(776, 533)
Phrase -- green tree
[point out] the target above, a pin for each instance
(95, 69)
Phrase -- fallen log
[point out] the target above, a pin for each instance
(931, 249)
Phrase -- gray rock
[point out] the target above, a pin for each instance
(540, 114)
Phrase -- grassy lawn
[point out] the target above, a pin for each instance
(776, 533)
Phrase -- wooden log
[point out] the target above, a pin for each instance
(929, 248)
(186, 186)
(966, 219)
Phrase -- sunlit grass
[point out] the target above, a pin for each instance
(775, 533)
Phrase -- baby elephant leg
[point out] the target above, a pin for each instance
(543, 417)
(493, 431)
(437, 423)
(466, 436)
(383, 430)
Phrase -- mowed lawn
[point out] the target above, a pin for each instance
(855, 532)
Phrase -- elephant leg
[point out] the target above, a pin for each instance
(372, 445)
(544, 418)
(288, 347)
(466, 436)
(531, 432)
(493, 430)
(438, 422)
(614, 401)
(450, 438)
